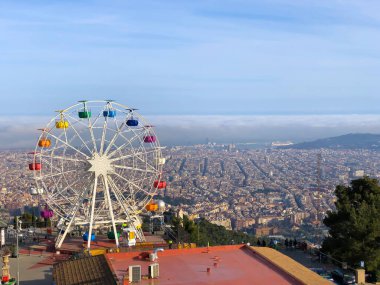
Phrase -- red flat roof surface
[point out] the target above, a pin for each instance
(234, 264)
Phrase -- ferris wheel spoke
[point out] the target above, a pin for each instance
(89, 127)
(114, 137)
(62, 158)
(57, 202)
(127, 195)
(128, 143)
(103, 140)
(59, 170)
(63, 198)
(144, 152)
(92, 135)
(77, 133)
(133, 184)
(118, 193)
(119, 130)
(100, 207)
(122, 202)
(92, 126)
(151, 167)
(57, 206)
(56, 174)
(72, 184)
(134, 154)
(97, 118)
(70, 146)
(103, 136)
(133, 168)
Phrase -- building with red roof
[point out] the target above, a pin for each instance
(233, 264)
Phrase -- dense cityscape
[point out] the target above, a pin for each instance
(265, 191)
(261, 191)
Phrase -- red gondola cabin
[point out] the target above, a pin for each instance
(159, 184)
(35, 166)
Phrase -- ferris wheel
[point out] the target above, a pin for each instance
(99, 163)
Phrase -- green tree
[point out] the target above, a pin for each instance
(203, 233)
(26, 218)
(354, 233)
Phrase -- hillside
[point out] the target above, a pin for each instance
(349, 141)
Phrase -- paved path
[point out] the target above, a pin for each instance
(34, 269)
(306, 259)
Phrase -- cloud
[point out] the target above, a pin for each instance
(227, 129)
(21, 132)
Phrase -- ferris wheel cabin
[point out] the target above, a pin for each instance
(132, 122)
(36, 191)
(85, 236)
(111, 235)
(33, 191)
(151, 207)
(44, 142)
(35, 166)
(61, 123)
(109, 113)
(84, 113)
(159, 184)
(149, 139)
(47, 214)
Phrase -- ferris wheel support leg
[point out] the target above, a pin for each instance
(92, 212)
(61, 237)
(111, 210)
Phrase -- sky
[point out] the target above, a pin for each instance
(244, 60)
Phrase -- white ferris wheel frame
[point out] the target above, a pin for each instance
(98, 171)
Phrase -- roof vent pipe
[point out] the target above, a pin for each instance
(153, 256)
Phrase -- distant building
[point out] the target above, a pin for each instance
(262, 231)
(286, 143)
(223, 222)
(357, 173)
(239, 224)
(200, 168)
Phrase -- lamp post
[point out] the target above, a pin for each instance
(18, 225)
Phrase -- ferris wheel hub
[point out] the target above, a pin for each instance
(100, 164)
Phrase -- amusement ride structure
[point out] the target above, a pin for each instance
(97, 164)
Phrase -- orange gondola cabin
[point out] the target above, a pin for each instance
(44, 142)
(151, 207)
